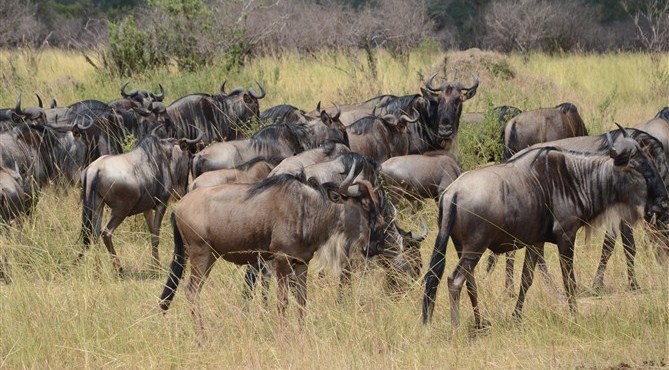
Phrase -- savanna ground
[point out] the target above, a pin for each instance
(57, 315)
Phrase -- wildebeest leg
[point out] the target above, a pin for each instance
(345, 282)
(532, 255)
(202, 261)
(283, 272)
(508, 281)
(456, 279)
(566, 250)
(113, 223)
(630, 252)
(473, 294)
(154, 226)
(255, 271)
(299, 285)
(607, 250)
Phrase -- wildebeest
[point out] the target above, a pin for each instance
(599, 145)
(439, 108)
(540, 126)
(34, 149)
(542, 195)
(380, 137)
(140, 181)
(419, 176)
(248, 173)
(219, 117)
(282, 218)
(273, 141)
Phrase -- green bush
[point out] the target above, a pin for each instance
(131, 49)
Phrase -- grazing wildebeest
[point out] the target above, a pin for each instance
(248, 173)
(419, 176)
(282, 218)
(540, 126)
(140, 181)
(599, 145)
(273, 141)
(542, 195)
(380, 137)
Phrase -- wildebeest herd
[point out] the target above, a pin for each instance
(273, 190)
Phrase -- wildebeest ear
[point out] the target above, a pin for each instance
(183, 145)
(325, 117)
(247, 98)
(334, 196)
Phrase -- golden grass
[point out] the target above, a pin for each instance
(58, 315)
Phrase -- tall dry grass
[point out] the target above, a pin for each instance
(59, 315)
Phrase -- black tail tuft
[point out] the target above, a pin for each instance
(438, 261)
(176, 268)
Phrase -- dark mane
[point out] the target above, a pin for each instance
(380, 99)
(245, 166)
(400, 105)
(547, 149)
(286, 133)
(366, 124)
(83, 112)
(279, 113)
(603, 144)
(274, 181)
(663, 113)
(566, 107)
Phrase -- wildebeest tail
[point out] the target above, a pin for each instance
(510, 142)
(176, 268)
(196, 166)
(438, 260)
(91, 218)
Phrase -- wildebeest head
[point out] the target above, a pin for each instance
(142, 98)
(637, 171)
(244, 105)
(336, 131)
(446, 105)
(364, 193)
(31, 115)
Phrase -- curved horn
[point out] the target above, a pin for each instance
(153, 130)
(318, 107)
(408, 119)
(125, 94)
(18, 110)
(255, 95)
(420, 237)
(84, 128)
(197, 139)
(39, 101)
(54, 103)
(223, 87)
(337, 112)
(475, 83)
(343, 187)
(160, 96)
(622, 130)
(428, 84)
